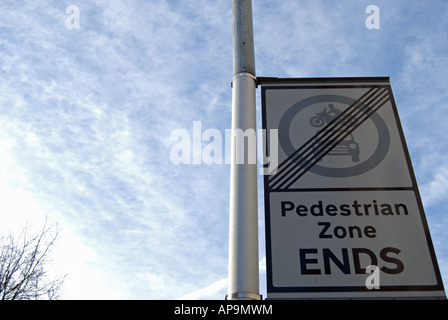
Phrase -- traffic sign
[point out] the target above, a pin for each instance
(344, 218)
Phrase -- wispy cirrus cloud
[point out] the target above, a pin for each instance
(88, 117)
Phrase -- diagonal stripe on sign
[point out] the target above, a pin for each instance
(322, 151)
(303, 159)
(335, 122)
(328, 138)
(331, 137)
(322, 135)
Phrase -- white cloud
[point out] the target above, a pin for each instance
(435, 191)
(214, 291)
(218, 289)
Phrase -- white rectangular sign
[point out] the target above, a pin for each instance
(344, 218)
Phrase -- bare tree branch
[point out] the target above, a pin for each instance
(23, 265)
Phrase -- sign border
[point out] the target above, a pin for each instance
(332, 83)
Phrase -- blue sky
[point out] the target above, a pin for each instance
(86, 116)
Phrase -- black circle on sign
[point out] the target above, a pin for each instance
(367, 165)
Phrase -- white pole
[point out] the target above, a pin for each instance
(243, 226)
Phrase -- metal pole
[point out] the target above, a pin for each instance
(243, 226)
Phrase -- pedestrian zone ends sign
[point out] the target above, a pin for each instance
(344, 218)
